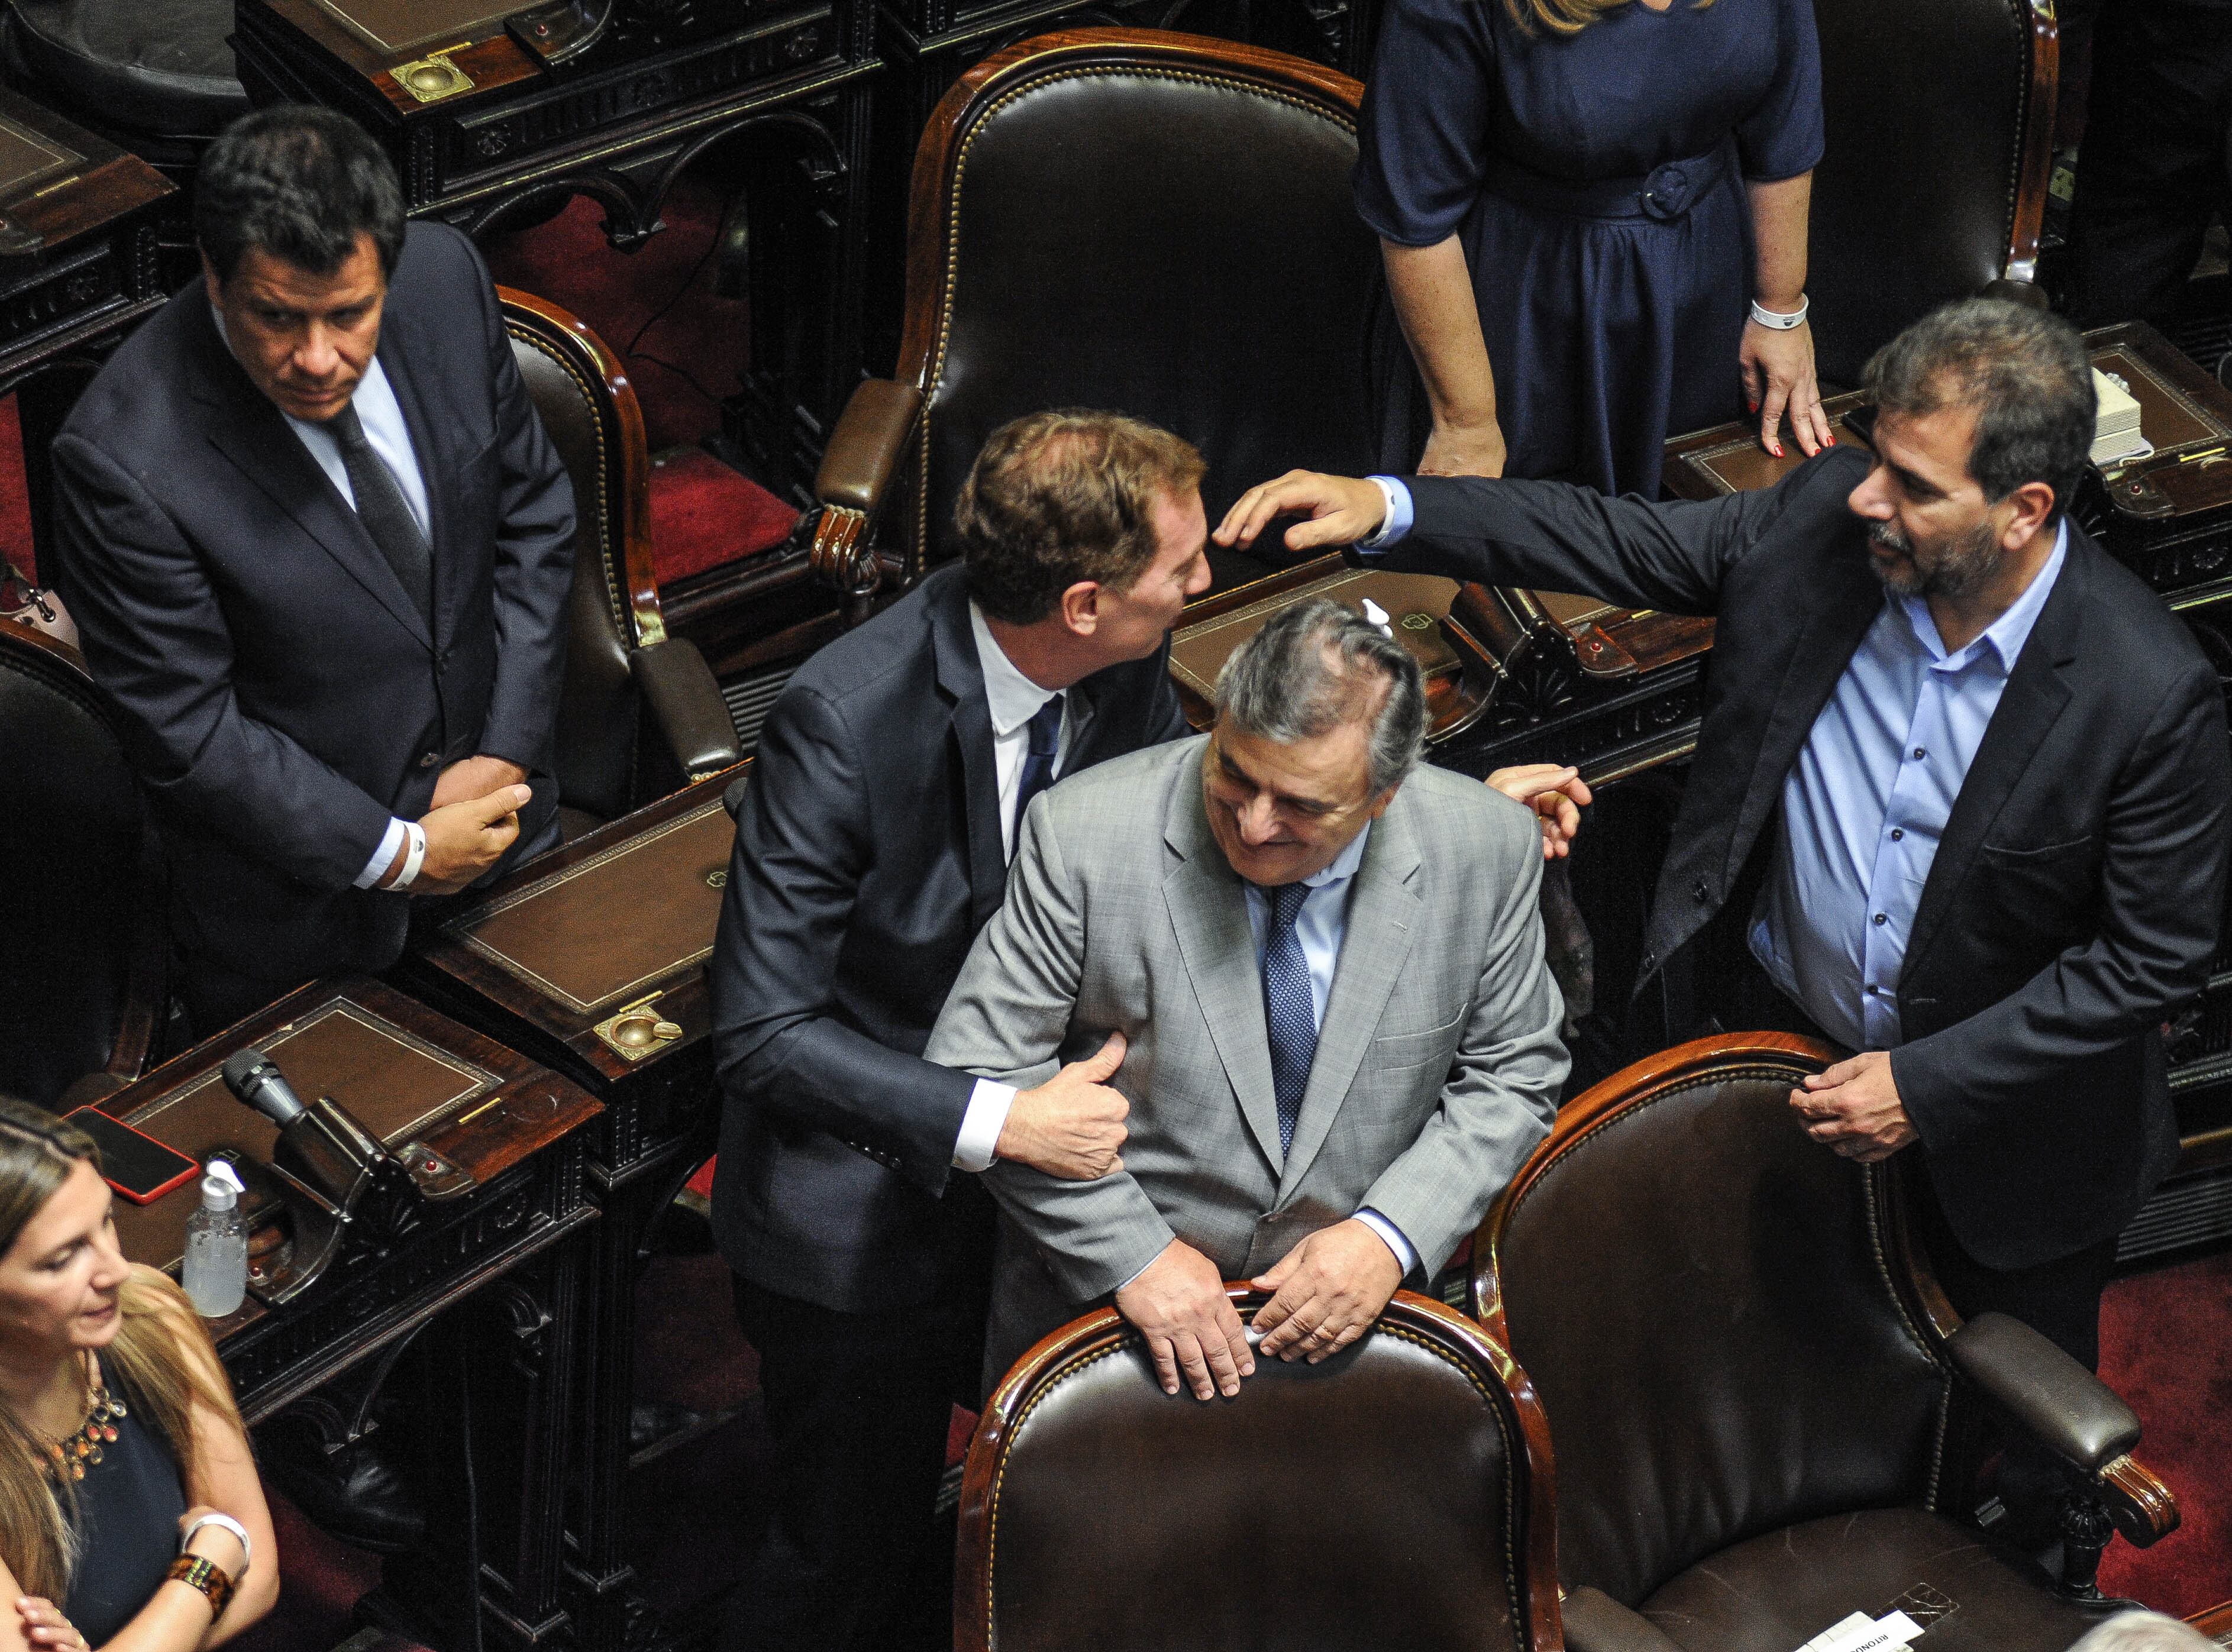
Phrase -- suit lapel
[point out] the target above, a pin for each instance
(250, 433)
(394, 340)
(961, 678)
(1383, 912)
(2037, 690)
(1209, 913)
(1848, 605)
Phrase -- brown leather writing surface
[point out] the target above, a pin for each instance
(2168, 417)
(614, 925)
(1570, 613)
(394, 1083)
(399, 25)
(1416, 604)
(26, 158)
(1735, 463)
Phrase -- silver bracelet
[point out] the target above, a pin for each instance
(247, 1549)
(1777, 320)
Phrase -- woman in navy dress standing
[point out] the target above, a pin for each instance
(1593, 217)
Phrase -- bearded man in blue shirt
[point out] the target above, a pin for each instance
(1960, 799)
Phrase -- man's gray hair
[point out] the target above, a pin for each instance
(2145, 1632)
(1319, 664)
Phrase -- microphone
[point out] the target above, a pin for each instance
(254, 1079)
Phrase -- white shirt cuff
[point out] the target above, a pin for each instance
(1393, 1236)
(981, 1125)
(392, 842)
(1396, 522)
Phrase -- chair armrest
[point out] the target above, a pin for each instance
(1597, 1623)
(686, 705)
(866, 448)
(2066, 1408)
(2020, 292)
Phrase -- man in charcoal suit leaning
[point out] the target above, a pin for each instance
(1342, 1036)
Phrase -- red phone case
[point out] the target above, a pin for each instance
(184, 1177)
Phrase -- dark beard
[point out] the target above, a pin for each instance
(1953, 569)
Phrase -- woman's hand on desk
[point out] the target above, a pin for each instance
(1778, 376)
(1474, 451)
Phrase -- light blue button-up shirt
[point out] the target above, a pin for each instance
(1866, 802)
(1320, 927)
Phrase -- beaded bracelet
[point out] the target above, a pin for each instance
(207, 1577)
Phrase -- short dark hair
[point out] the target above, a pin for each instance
(1057, 497)
(2022, 372)
(299, 184)
(1317, 665)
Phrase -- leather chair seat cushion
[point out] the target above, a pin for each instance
(576, 823)
(1779, 1590)
(162, 67)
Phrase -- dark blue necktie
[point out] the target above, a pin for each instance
(1288, 1012)
(384, 511)
(1045, 727)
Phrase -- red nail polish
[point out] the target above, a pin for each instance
(1776, 449)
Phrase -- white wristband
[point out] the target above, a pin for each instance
(247, 1549)
(412, 858)
(1777, 320)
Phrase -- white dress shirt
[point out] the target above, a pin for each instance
(1013, 700)
(384, 428)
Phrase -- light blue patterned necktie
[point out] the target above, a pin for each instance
(1288, 1012)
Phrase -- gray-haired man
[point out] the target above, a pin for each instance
(1328, 962)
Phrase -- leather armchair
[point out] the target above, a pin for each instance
(1149, 221)
(82, 980)
(1396, 1495)
(1750, 1373)
(1933, 185)
(155, 76)
(640, 713)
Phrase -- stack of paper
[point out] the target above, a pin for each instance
(2115, 430)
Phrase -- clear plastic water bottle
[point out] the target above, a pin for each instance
(216, 1271)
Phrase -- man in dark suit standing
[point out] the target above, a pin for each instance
(1961, 790)
(873, 844)
(319, 549)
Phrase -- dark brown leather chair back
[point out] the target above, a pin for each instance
(81, 947)
(1933, 185)
(1155, 224)
(1395, 1495)
(1700, 1296)
(589, 409)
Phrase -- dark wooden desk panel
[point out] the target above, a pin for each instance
(490, 1385)
(482, 134)
(593, 959)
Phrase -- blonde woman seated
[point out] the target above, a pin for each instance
(130, 1516)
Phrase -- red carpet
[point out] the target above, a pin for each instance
(2166, 1347)
(692, 348)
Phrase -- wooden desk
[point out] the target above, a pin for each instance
(592, 959)
(483, 134)
(487, 1388)
(87, 269)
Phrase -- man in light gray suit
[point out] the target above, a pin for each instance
(1328, 963)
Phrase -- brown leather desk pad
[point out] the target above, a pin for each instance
(604, 929)
(400, 1069)
(402, 25)
(28, 159)
(1416, 604)
(1728, 458)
